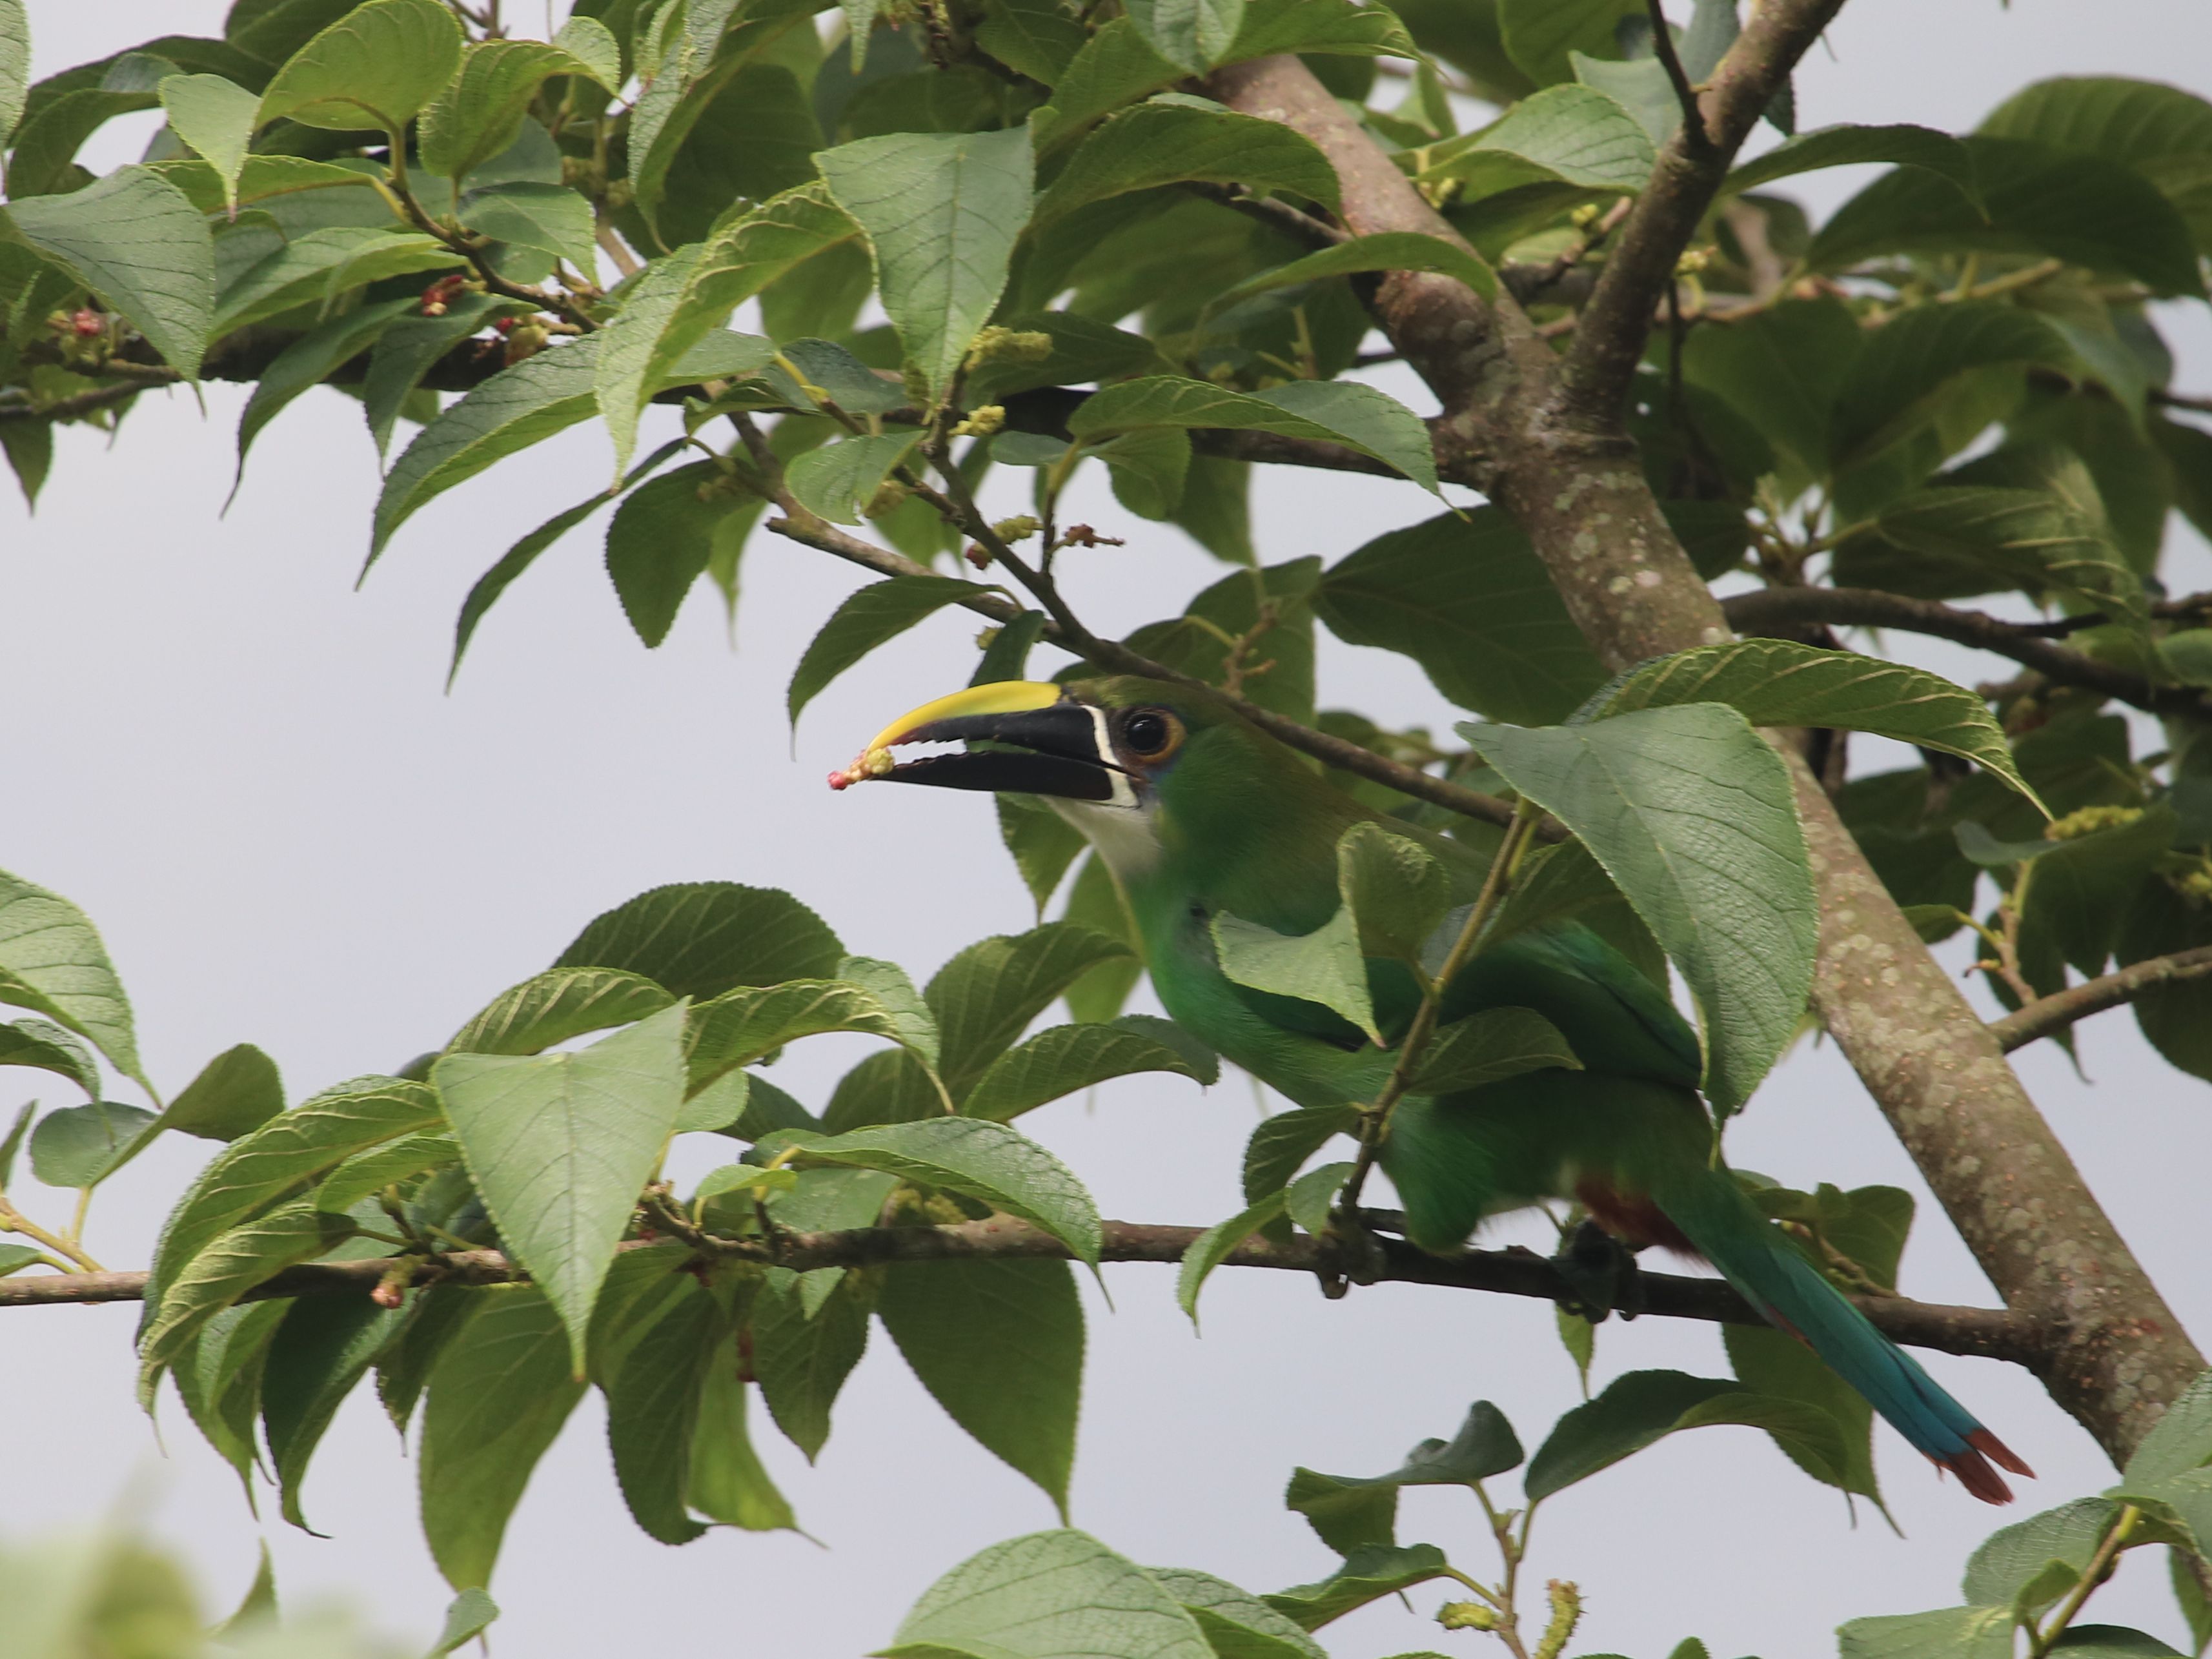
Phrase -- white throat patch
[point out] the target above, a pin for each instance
(1121, 829)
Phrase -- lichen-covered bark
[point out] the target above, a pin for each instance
(1543, 437)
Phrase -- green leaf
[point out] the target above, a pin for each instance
(324, 1346)
(1538, 34)
(1719, 878)
(1117, 66)
(914, 1023)
(727, 1482)
(1347, 1516)
(1485, 1446)
(801, 1362)
(1335, 411)
(1389, 250)
(2116, 1641)
(1042, 843)
(1574, 133)
(1148, 469)
(556, 1006)
(372, 71)
(941, 212)
(310, 360)
(498, 1395)
(1950, 1633)
(1326, 966)
(218, 1376)
(532, 399)
(1367, 1575)
(742, 1026)
(1902, 145)
(1198, 643)
(1002, 1350)
(2181, 1440)
(468, 1615)
(1892, 383)
(57, 123)
(1395, 888)
(2034, 539)
(1334, 27)
(663, 317)
(287, 1156)
(986, 1161)
(1216, 1245)
(2160, 131)
(519, 558)
(838, 481)
(1282, 1143)
(263, 179)
(664, 535)
(318, 266)
(52, 962)
(407, 350)
(2010, 1568)
(1490, 1047)
(1468, 600)
(1063, 1060)
(559, 1146)
(1192, 34)
(2082, 208)
(366, 1174)
(881, 611)
(524, 213)
(700, 939)
(1239, 1625)
(1645, 1406)
(988, 995)
(49, 1047)
(1157, 144)
(14, 65)
(1783, 369)
(137, 243)
(224, 1270)
(1095, 905)
(652, 1402)
(1781, 682)
(83, 1145)
(481, 111)
(216, 117)
(1045, 1596)
(1779, 1367)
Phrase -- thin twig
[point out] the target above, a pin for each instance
(2045, 1016)
(2180, 400)
(1662, 44)
(77, 404)
(1988, 1333)
(1301, 225)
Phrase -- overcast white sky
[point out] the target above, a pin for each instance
(251, 777)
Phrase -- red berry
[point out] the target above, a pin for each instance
(88, 323)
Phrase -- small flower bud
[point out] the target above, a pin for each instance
(977, 555)
(889, 495)
(1584, 217)
(982, 422)
(985, 637)
(1011, 344)
(88, 323)
(1692, 261)
(2089, 820)
(1018, 528)
(526, 341)
(1466, 1615)
(1567, 1614)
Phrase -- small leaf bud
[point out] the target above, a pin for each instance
(1012, 344)
(1466, 1615)
(1692, 261)
(982, 422)
(889, 495)
(1018, 528)
(1584, 217)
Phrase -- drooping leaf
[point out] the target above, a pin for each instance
(1157, 144)
(2162, 132)
(1784, 368)
(1325, 966)
(881, 611)
(1538, 34)
(366, 1174)
(524, 213)
(49, 1047)
(1216, 1245)
(1367, 1575)
(1720, 878)
(1192, 34)
(742, 1026)
(700, 939)
(373, 69)
(1002, 1351)
(941, 212)
(1044, 1597)
(983, 1160)
(318, 266)
(1890, 387)
(217, 118)
(556, 1006)
(82, 1145)
(665, 535)
(728, 1484)
(988, 995)
(1117, 66)
(559, 1146)
(468, 1615)
(1644, 1407)
(1062, 1060)
(1781, 682)
(218, 1376)
(310, 360)
(224, 1270)
(802, 1362)
(324, 1346)
(838, 481)
(136, 242)
(1282, 1143)
(652, 1402)
(499, 1392)
(1396, 889)
(2034, 539)
(1335, 411)
(1575, 134)
(1347, 1516)
(1237, 1624)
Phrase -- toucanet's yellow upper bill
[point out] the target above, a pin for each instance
(1000, 697)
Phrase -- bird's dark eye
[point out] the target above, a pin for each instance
(1149, 731)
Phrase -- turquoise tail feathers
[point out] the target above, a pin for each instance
(1794, 1295)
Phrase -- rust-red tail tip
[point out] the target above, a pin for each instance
(1998, 1453)
(1973, 1470)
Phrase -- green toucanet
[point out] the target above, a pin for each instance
(1199, 815)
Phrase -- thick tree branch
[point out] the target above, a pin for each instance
(1557, 458)
(1989, 1333)
(1609, 342)
(2055, 1012)
(1774, 608)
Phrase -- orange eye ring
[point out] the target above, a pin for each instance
(1151, 735)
